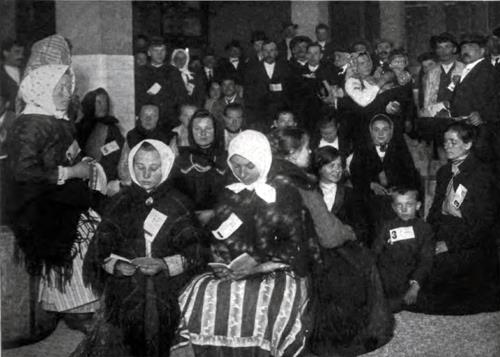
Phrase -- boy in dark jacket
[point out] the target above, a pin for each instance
(404, 249)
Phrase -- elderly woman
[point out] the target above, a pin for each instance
(351, 316)
(200, 169)
(49, 200)
(145, 250)
(465, 276)
(254, 301)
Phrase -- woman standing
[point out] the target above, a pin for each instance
(146, 249)
(254, 306)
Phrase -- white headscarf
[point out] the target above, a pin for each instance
(167, 157)
(185, 69)
(253, 146)
(37, 90)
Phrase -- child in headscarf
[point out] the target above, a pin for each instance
(146, 249)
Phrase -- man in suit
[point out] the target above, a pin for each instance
(323, 39)
(284, 48)
(266, 87)
(383, 48)
(151, 82)
(10, 71)
(229, 96)
(257, 40)
(475, 98)
(208, 68)
(299, 46)
(232, 65)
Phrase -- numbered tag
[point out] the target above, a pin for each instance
(275, 87)
(154, 89)
(459, 196)
(451, 86)
(73, 151)
(109, 148)
(401, 233)
(153, 223)
(228, 227)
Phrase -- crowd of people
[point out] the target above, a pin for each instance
(265, 204)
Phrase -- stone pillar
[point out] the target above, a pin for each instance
(392, 22)
(8, 19)
(101, 35)
(307, 14)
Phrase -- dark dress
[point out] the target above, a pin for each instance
(138, 134)
(403, 260)
(350, 316)
(466, 278)
(44, 215)
(141, 312)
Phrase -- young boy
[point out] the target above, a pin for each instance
(404, 249)
(284, 119)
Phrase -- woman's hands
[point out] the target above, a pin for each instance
(123, 268)
(147, 266)
(80, 170)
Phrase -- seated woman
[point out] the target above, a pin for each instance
(465, 276)
(99, 134)
(340, 198)
(255, 306)
(145, 250)
(351, 316)
(379, 165)
(200, 169)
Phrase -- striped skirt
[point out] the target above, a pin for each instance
(75, 297)
(259, 316)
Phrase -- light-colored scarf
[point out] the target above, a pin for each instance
(253, 146)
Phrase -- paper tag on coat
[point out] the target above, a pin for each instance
(459, 196)
(73, 151)
(153, 223)
(154, 89)
(401, 233)
(275, 87)
(228, 227)
(109, 148)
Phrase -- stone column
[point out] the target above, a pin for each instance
(307, 14)
(392, 22)
(101, 35)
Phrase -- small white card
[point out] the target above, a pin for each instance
(459, 196)
(451, 86)
(153, 223)
(109, 148)
(275, 87)
(228, 227)
(401, 233)
(73, 151)
(154, 89)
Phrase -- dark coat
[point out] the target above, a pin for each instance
(44, 214)
(405, 260)
(145, 77)
(225, 69)
(138, 134)
(261, 102)
(8, 87)
(143, 306)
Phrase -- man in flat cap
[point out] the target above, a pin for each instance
(439, 83)
(475, 98)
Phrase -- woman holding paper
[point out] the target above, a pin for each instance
(252, 305)
(465, 274)
(146, 249)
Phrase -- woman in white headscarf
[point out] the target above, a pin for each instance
(145, 250)
(50, 198)
(253, 301)
(186, 87)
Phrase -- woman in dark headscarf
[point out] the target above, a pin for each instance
(145, 250)
(98, 132)
(201, 167)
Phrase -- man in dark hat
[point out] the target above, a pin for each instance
(323, 39)
(439, 83)
(475, 98)
(232, 65)
(208, 62)
(284, 49)
(256, 40)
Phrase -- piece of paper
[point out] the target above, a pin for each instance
(154, 89)
(459, 196)
(401, 233)
(109, 148)
(119, 257)
(153, 223)
(228, 227)
(275, 87)
(243, 261)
